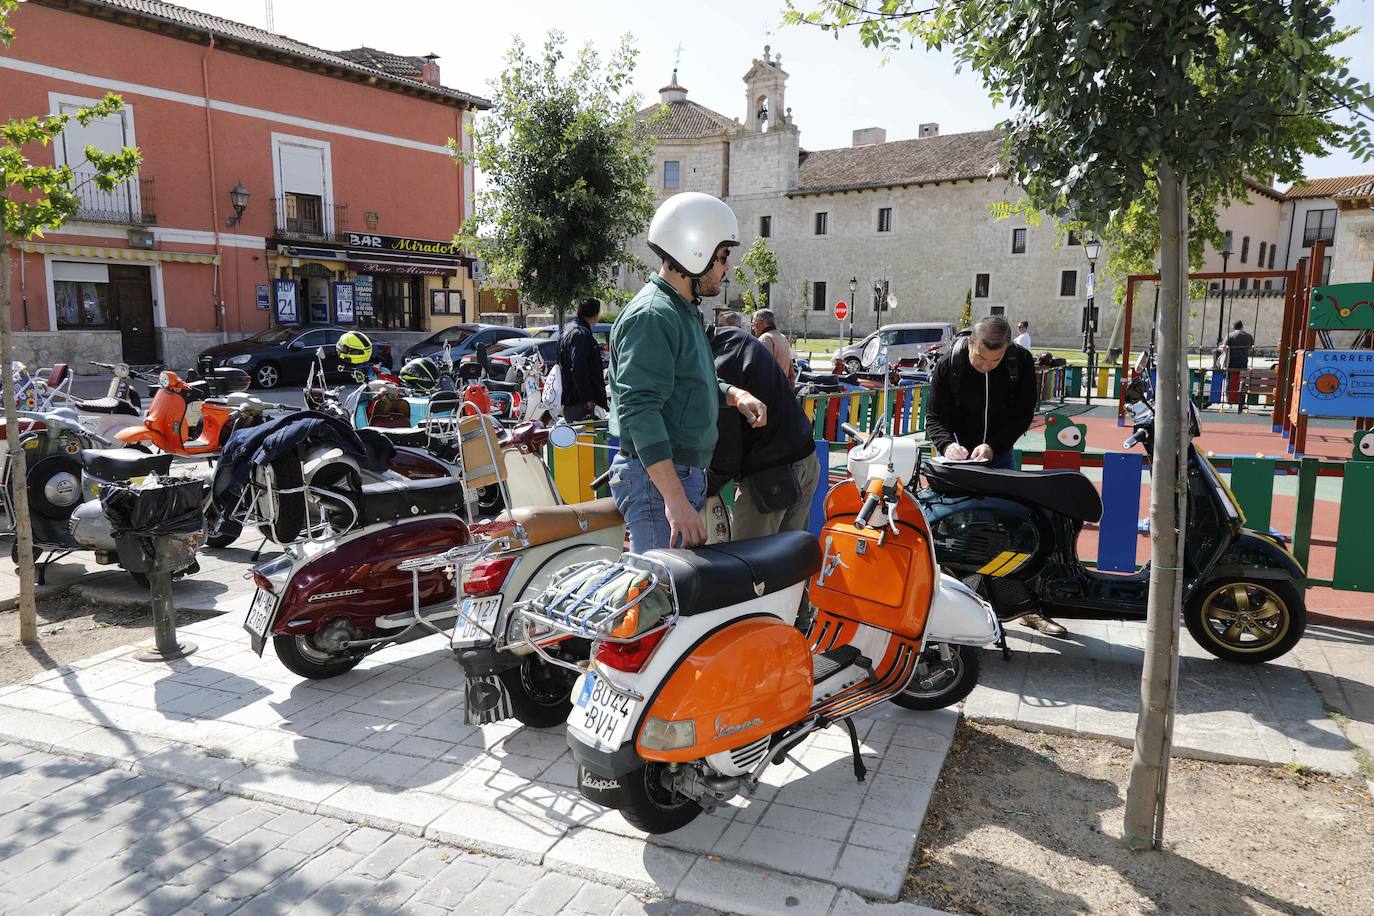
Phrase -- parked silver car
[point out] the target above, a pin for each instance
(903, 342)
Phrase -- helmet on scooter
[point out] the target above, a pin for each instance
(689, 227)
(421, 373)
(354, 348)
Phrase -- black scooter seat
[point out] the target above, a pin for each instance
(402, 499)
(417, 436)
(123, 463)
(492, 384)
(719, 575)
(107, 405)
(1064, 491)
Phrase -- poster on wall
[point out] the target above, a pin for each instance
(318, 291)
(343, 303)
(287, 306)
(362, 297)
(264, 297)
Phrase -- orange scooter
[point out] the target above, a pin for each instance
(708, 664)
(193, 418)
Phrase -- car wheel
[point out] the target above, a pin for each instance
(267, 375)
(852, 364)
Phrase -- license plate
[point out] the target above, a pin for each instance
(601, 715)
(260, 613)
(475, 622)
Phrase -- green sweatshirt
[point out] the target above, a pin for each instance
(664, 392)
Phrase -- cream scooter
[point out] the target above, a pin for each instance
(708, 664)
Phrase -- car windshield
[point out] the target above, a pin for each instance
(453, 336)
(275, 335)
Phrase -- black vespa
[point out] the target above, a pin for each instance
(1011, 536)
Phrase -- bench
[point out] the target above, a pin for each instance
(1258, 383)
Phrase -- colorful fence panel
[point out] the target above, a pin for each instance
(1354, 569)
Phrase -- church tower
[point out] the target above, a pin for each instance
(763, 153)
(765, 85)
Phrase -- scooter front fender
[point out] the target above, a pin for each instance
(1257, 555)
(959, 616)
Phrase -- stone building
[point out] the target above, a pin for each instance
(910, 217)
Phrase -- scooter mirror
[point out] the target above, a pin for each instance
(562, 436)
(872, 352)
(319, 353)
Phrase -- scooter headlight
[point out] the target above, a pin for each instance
(663, 735)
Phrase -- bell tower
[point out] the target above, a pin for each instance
(765, 85)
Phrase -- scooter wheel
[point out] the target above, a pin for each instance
(650, 806)
(942, 683)
(300, 656)
(1246, 620)
(539, 694)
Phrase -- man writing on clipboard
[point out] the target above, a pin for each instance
(983, 398)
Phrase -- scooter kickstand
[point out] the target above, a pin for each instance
(860, 770)
(257, 553)
(1002, 644)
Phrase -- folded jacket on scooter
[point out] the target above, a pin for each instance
(264, 444)
(707, 578)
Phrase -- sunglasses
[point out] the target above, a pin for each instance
(723, 257)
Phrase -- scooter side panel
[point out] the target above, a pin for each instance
(958, 615)
(743, 682)
(358, 579)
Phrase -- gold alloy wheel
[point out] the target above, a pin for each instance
(1245, 616)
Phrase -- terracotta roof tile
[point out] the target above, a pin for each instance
(1359, 191)
(158, 11)
(943, 158)
(395, 64)
(1326, 187)
(688, 121)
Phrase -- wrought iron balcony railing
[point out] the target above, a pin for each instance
(131, 202)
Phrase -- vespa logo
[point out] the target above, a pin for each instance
(725, 731)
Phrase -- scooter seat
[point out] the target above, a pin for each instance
(123, 463)
(545, 524)
(719, 575)
(1064, 491)
(107, 405)
(402, 499)
(417, 436)
(498, 385)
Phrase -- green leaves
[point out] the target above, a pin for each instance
(758, 268)
(566, 168)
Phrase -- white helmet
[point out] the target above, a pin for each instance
(689, 227)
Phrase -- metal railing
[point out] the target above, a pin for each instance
(301, 216)
(1326, 234)
(131, 202)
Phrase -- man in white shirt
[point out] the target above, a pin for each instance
(1023, 335)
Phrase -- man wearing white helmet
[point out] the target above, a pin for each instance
(664, 392)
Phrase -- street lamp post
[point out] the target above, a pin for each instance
(853, 288)
(877, 305)
(1221, 309)
(1092, 248)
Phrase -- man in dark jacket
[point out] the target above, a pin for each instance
(983, 397)
(579, 362)
(760, 459)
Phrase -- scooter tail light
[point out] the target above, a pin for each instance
(664, 735)
(629, 656)
(488, 576)
(263, 582)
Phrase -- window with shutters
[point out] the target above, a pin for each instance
(822, 225)
(884, 219)
(1245, 250)
(765, 227)
(304, 182)
(672, 175)
(1068, 283)
(122, 203)
(1319, 227)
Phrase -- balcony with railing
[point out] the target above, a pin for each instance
(306, 217)
(1313, 235)
(131, 202)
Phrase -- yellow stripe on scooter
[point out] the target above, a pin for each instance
(1011, 565)
(996, 562)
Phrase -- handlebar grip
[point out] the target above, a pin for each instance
(869, 507)
(600, 481)
(851, 431)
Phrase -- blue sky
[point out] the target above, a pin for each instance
(836, 85)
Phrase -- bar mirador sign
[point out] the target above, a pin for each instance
(401, 245)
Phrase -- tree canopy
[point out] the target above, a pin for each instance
(757, 271)
(566, 168)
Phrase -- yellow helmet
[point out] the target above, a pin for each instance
(354, 348)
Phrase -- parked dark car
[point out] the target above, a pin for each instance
(499, 354)
(284, 354)
(463, 339)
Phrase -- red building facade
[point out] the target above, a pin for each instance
(352, 193)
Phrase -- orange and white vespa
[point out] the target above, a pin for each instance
(708, 664)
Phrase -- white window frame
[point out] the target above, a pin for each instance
(678, 186)
(155, 278)
(1059, 283)
(279, 191)
(55, 100)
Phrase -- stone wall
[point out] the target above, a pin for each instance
(75, 348)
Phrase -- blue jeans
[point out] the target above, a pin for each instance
(1005, 460)
(646, 515)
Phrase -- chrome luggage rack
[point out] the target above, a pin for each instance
(456, 558)
(569, 607)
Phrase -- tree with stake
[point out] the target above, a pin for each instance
(33, 198)
(758, 271)
(1109, 99)
(566, 168)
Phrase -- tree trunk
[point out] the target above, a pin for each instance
(23, 527)
(1144, 821)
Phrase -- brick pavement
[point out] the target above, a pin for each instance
(82, 838)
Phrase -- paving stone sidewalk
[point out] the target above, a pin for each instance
(385, 746)
(1272, 714)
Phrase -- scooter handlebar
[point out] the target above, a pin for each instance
(869, 507)
(851, 431)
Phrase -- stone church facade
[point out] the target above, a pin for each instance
(910, 217)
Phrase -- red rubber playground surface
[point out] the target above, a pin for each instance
(1251, 435)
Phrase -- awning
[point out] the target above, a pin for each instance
(117, 254)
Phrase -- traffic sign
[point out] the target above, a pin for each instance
(841, 310)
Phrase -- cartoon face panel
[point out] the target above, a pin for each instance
(1364, 445)
(1063, 435)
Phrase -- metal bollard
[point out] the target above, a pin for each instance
(170, 552)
